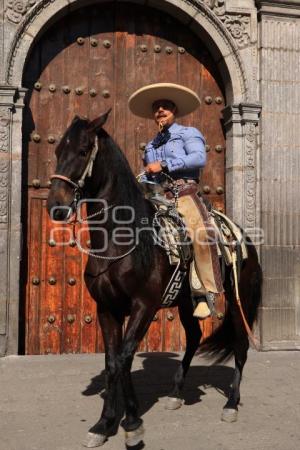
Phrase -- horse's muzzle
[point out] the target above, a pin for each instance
(60, 213)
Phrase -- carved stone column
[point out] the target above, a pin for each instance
(242, 166)
(279, 29)
(11, 102)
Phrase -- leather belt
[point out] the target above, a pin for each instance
(186, 187)
(183, 181)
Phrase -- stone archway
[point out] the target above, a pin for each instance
(241, 117)
(196, 14)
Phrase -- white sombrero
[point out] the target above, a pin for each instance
(141, 101)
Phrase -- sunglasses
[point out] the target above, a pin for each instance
(165, 104)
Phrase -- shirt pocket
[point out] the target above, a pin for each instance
(175, 145)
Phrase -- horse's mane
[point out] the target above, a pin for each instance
(125, 191)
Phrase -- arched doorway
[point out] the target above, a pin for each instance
(87, 62)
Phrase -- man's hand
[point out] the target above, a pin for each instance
(154, 167)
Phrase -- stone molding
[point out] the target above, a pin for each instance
(250, 178)
(11, 104)
(230, 31)
(6, 106)
(288, 8)
(247, 115)
(4, 175)
(217, 6)
(26, 20)
(4, 129)
(242, 113)
(237, 21)
(15, 10)
(238, 26)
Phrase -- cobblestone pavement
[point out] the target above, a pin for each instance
(49, 402)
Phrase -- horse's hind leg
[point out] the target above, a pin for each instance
(230, 411)
(250, 293)
(112, 335)
(193, 336)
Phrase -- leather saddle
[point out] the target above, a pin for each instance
(170, 228)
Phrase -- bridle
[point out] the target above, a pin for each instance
(78, 186)
(87, 172)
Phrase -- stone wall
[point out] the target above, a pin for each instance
(279, 49)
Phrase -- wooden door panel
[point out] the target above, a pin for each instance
(33, 287)
(71, 305)
(52, 289)
(90, 61)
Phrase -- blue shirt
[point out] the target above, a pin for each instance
(183, 148)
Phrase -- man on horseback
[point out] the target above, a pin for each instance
(123, 285)
(179, 151)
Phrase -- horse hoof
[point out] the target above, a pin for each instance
(132, 438)
(94, 440)
(173, 403)
(229, 415)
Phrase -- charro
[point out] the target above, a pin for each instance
(180, 152)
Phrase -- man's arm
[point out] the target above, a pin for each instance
(194, 146)
(150, 163)
(149, 155)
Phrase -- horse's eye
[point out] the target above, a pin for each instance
(83, 153)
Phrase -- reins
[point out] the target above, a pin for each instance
(77, 196)
(238, 300)
(88, 252)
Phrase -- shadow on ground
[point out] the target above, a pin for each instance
(155, 380)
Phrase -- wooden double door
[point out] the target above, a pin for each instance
(87, 62)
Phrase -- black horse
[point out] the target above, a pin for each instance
(128, 278)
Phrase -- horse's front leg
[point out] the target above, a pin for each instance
(112, 336)
(193, 335)
(137, 326)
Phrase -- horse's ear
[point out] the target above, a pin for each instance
(98, 123)
(75, 119)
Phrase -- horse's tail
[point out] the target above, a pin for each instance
(220, 345)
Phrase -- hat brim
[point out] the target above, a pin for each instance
(140, 103)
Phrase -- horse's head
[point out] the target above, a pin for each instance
(74, 155)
